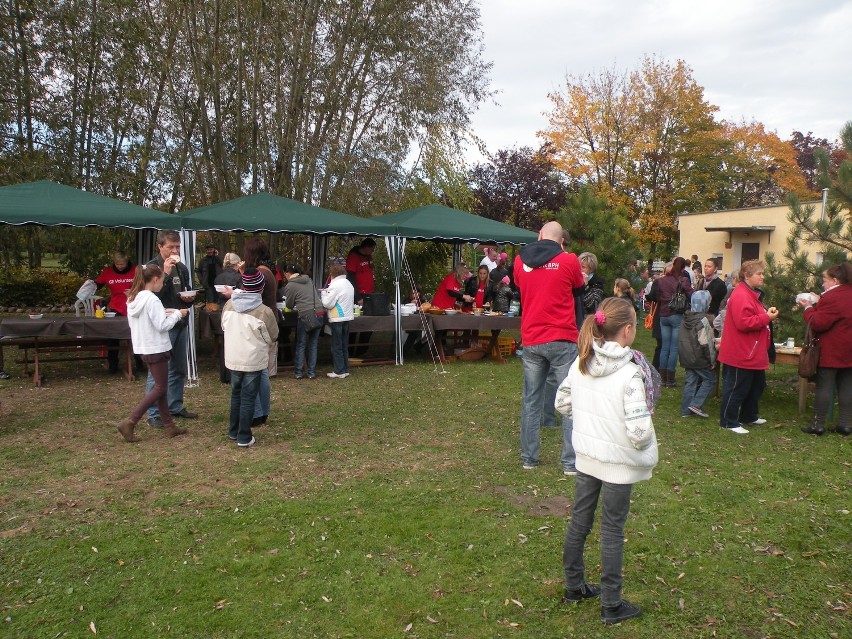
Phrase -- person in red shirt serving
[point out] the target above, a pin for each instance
(359, 269)
(359, 272)
(451, 290)
(479, 288)
(744, 350)
(546, 277)
(118, 277)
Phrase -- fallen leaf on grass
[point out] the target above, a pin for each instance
(408, 627)
(430, 620)
(325, 599)
(220, 605)
(517, 603)
(92, 628)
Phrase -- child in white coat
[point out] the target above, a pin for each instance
(607, 394)
(149, 331)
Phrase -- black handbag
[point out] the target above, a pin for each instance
(679, 301)
(312, 319)
(809, 355)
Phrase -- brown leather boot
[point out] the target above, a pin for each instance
(172, 430)
(125, 427)
(672, 380)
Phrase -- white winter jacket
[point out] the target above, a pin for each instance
(249, 328)
(339, 299)
(150, 324)
(613, 436)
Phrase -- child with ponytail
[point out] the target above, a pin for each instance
(149, 331)
(610, 392)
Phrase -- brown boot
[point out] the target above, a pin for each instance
(173, 431)
(672, 380)
(125, 427)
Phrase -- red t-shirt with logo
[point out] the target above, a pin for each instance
(547, 301)
(362, 266)
(442, 298)
(118, 284)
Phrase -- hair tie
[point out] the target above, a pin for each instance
(600, 318)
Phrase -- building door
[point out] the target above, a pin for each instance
(751, 251)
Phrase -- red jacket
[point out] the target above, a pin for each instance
(745, 334)
(831, 319)
(547, 303)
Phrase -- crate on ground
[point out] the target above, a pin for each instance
(504, 347)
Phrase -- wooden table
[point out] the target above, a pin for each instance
(784, 355)
(441, 324)
(67, 336)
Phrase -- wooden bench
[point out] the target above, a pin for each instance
(67, 348)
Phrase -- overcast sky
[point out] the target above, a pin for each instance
(785, 63)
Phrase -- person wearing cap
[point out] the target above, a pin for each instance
(250, 328)
(503, 296)
(303, 298)
(208, 269)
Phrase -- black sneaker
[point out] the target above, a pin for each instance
(155, 422)
(622, 612)
(576, 595)
(185, 414)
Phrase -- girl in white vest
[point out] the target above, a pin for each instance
(609, 392)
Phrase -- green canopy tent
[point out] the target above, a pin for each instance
(276, 214)
(441, 223)
(47, 203)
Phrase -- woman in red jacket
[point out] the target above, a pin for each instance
(831, 319)
(745, 350)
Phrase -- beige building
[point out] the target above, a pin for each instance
(737, 235)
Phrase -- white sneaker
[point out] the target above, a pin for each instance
(340, 376)
(247, 444)
(529, 467)
(739, 430)
(758, 421)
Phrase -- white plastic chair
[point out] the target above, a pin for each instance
(87, 305)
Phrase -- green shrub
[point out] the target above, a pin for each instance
(37, 287)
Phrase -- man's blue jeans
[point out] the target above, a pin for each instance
(670, 330)
(244, 387)
(697, 388)
(177, 372)
(614, 511)
(306, 349)
(538, 361)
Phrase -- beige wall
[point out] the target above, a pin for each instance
(695, 240)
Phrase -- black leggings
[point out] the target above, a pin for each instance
(827, 379)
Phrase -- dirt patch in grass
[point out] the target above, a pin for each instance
(534, 506)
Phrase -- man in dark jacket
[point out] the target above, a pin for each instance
(176, 280)
(714, 284)
(208, 269)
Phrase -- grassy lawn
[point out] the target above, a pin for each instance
(393, 504)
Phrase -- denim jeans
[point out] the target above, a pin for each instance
(244, 387)
(340, 346)
(548, 410)
(263, 402)
(538, 361)
(670, 329)
(177, 372)
(741, 392)
(614, 511)
(306, 347)
(697, 388)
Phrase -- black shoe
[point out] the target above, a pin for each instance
(185, 414)
(843, 431)
(622, 612)
(813, 429)
(155, 422)
(576, 595)
(259, 421)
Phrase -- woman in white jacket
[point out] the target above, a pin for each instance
(606, 394)
(149, 331)
(339, 299)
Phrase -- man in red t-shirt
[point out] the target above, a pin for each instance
(546, 277)
(359, 272)
(118, 277)
(359, 269)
